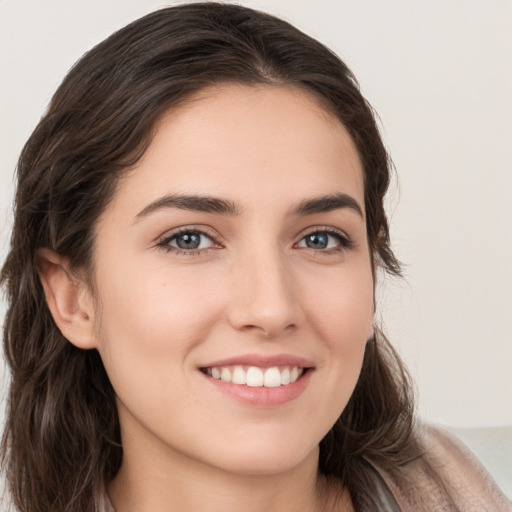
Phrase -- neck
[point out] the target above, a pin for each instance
(163, 481)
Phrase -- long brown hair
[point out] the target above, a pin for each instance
(62, 443)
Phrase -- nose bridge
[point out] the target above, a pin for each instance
(263, 296)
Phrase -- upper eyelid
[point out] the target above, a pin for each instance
(344, 240)
(213, 233)
(325, 229)
(164, 241)
(216, 237)
(204, 230)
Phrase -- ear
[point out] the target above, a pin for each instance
(69, 299)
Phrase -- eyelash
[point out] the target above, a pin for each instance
(165, 242)
(344, 242)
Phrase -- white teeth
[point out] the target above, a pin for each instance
(225, 374)
(272, 378)
(256, 377)
(238, 376)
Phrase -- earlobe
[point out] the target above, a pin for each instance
(68, 299)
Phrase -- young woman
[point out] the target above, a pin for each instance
(199, 224)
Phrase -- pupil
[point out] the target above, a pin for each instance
(317, 241)
(189, 241)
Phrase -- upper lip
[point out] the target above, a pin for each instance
(262, 361)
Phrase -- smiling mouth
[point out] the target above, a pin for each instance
(254, 376)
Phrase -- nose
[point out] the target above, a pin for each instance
(263, 295)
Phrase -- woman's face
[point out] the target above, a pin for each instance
(236, 249)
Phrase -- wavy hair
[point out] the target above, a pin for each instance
(61, 443)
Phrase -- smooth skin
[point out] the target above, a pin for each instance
(177, 288)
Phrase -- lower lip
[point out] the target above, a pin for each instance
(262, 396)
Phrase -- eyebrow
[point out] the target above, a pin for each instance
(327, 204)
(194, 203)
(209, 204)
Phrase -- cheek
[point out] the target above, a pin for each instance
(342, 315)
(343, 307)
(150, 323)
(159, 303)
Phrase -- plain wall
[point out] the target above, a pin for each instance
(439, 74)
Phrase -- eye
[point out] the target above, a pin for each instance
(187, 241)
(325, 240)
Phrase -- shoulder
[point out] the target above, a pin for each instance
(463, 475)
(446, 477)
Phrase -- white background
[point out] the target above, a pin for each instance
(439, 73)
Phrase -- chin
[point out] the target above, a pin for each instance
(266, 466)
(270, 456)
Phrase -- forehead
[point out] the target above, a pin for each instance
(258, 142)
